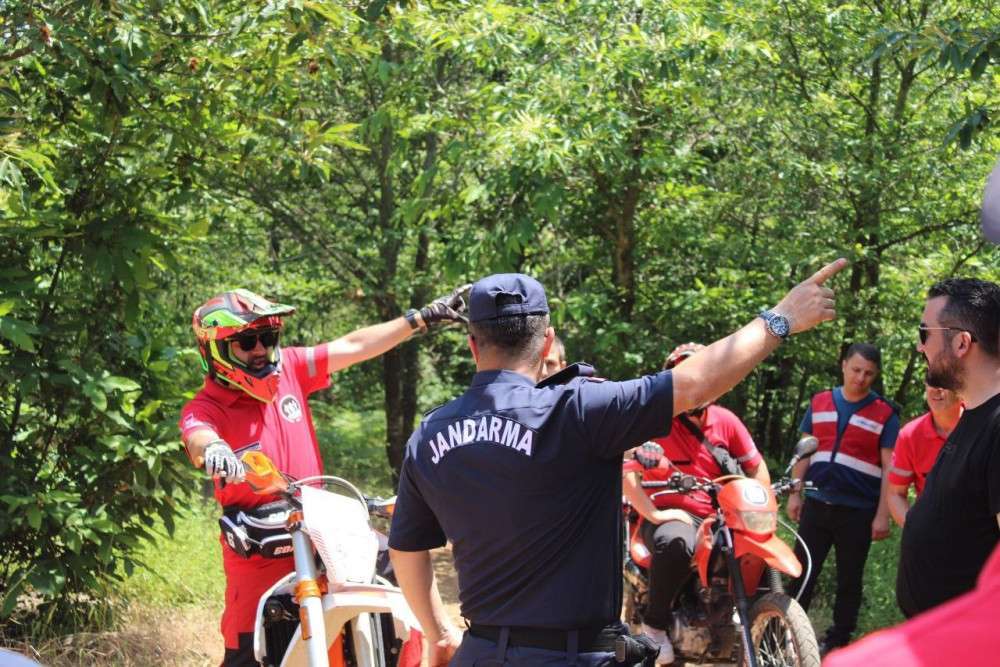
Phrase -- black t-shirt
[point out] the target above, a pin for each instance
(525, 481)
(952, 528)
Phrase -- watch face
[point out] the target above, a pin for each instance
(779, 325)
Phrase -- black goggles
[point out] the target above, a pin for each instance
(923, 332)
(248, 340)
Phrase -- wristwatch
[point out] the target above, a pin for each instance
(411, 318)
(777, 325)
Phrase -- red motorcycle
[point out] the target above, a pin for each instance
(733, 609)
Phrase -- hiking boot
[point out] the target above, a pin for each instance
(661, 639)
(831, 643)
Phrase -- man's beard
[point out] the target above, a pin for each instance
(946, 372)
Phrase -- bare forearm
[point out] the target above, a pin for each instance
(884, 493)
(367, 343)
(899, 505)
(716, 369)
(416, 579)
(713, 371)
(800, 468)
(637, 497)
(883, 498)
(761, 474)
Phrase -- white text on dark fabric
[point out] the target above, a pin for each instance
(490, 430)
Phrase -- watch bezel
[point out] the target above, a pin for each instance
(777, 325)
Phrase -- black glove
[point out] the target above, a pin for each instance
(449, 308)
(648, 454)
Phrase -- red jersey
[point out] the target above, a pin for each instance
(687, 453)
(959, 632)
(916, 451)
(282, 429)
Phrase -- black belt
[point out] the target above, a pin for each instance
(590, 640)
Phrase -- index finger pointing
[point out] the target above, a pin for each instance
(827, 271)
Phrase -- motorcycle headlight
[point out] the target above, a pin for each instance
(760, 522)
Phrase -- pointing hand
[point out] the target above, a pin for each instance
(811, 302)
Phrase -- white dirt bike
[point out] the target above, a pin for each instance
(334, 610)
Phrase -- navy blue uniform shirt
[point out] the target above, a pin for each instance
(525, 481)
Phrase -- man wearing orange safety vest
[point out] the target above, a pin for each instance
(857, 430)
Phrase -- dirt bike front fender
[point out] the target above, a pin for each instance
(773, 551)
(349, 602)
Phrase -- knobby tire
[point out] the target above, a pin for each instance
(782, 634)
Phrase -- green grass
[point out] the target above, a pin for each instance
(185, 569)
(878, 606)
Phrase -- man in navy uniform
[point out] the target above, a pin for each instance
(524, 478)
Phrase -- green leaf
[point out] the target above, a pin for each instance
(14, 589)
(92, 391)
(16, 332)
(119, 383)
(295, 42)
(34, 516)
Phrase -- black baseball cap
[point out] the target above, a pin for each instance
(528, 297)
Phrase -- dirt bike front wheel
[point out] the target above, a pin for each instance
(782, 634)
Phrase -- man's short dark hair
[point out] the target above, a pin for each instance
(974, 306)
(518, 337)
(867, 351)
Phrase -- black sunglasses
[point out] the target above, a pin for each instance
(248, 341)
(923, 332)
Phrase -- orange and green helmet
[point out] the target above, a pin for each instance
(222, 319)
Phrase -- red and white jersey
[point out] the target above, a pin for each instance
(282, 429)
(916, 451)
(686, 452)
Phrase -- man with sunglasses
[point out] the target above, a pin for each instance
(254, 398)
(955, 523)
(706, 441)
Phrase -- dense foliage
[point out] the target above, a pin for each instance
(665, 168)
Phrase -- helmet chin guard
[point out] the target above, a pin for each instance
(227, 315)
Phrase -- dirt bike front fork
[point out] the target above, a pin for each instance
(739, 592)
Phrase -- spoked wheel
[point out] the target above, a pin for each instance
(781, 632)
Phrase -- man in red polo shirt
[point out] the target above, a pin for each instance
(708, 441)
(917, 447)
(254, 398)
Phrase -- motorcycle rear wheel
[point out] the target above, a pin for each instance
(782, 634)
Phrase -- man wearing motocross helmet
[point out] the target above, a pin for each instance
(254, 398)
(707, 441)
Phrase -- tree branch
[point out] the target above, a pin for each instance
(920, 232)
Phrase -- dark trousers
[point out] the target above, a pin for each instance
(672, 545)
(480, 652)
(242, 656)
(849, 531)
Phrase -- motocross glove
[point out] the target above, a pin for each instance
(222, 462)
(449, 308)
(648, 454)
